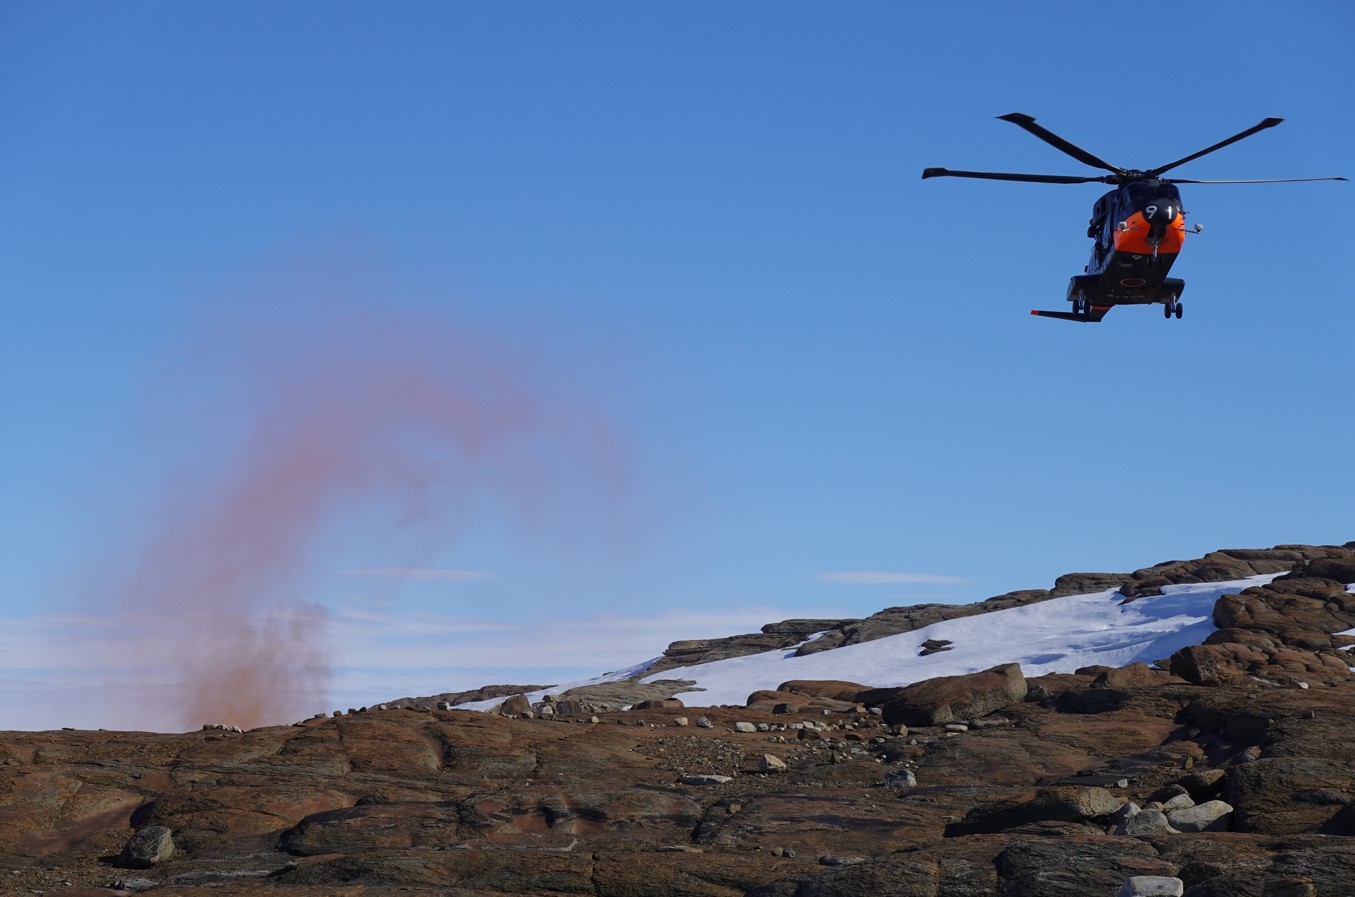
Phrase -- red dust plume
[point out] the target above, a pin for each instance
(346, 411)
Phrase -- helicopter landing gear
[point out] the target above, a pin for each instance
(1172, 307)
(1081, 307)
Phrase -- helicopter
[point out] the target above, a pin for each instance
(1139, 227)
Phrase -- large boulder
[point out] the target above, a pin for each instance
(946, 699)
(1210, 816)
(149, 846)
(1206, 665)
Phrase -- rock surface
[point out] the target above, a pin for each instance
(946, 699)
(585, 801)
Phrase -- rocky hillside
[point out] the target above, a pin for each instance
(1217, 566)
(1232, 774)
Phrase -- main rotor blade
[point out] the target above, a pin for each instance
(1268, 123)
(1264, 181)
(1025, 121)
(1001, 176)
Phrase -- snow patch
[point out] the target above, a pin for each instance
(1058, 635)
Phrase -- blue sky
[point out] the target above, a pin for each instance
(724, 356)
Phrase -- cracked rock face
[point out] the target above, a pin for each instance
(1251, 777)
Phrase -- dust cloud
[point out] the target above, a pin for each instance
(309, 402)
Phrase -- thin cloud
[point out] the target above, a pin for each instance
(421, 574)
(886, 578)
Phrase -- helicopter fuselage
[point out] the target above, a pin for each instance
(1139, 229)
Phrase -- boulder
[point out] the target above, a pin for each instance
(946, 699)
(1145, 823)
(1210, 816)
(1151, 886)
(149, 846)
(1206, 665)
(900, 778)
(517, 705)
(1206, 784)
(771, 763)
(1133, 676)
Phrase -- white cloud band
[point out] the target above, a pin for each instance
(886, 577)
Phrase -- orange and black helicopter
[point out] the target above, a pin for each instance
(1139, 227)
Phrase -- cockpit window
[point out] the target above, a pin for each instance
(1142, 192)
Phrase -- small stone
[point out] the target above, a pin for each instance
(702, 722)
(771, 763)
(900, 778)
(706, 779)
(1145, 822)
(829, 859)
(680, 721)
(1127, 809)
(745, 727)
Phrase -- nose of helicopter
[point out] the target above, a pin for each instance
(1161, 212)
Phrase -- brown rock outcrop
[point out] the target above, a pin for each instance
(947, 699)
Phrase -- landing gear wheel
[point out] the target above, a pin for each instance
(1180, 310)
(1167, 311)
(1171, 307)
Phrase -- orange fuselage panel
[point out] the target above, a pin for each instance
(1132, 237)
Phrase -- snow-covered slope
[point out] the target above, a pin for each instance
(1057, 635)
(1054, 636)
